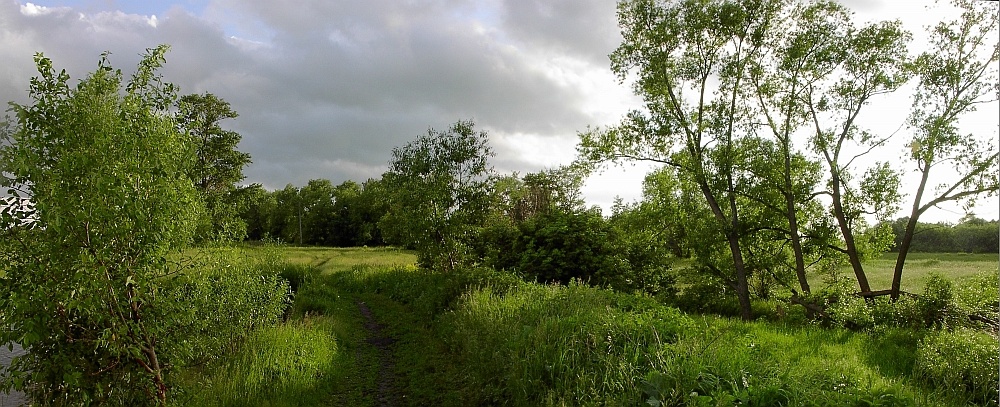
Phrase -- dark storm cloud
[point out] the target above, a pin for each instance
(327, 89)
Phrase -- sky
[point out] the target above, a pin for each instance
(326, 89)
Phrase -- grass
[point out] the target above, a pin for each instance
(484, 338)
(919, 267)
(330, 260)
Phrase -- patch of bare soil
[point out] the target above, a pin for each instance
(386, 394)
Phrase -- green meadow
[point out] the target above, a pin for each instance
(481, 337)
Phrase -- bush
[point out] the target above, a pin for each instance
(106, 170)
(964, 361)
(977, 295)
(227, 295)
(560, 246)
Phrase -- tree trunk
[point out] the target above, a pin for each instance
(742, 284)
(849, 244)
(911, 226)
(793, 224)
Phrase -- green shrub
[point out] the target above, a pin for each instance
(977, 295)
(964, 361)
(227, 295)
(560, 246)
(934, 308)
(703, 293)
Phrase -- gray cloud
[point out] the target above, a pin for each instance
(327, 89)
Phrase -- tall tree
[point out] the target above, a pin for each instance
(106, 172)
(955, 75)
(706, 47)
(318, 212)
(870, 60)
(806, 48)
(218, 165)
(437, 187)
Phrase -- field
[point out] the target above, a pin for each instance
(954, 266)
(367, 328)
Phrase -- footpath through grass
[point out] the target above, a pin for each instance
(485, 338)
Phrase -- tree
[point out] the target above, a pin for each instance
(218, 165)
(955, 75)
(106, 172)
(260, 203)
(706, 47)
(868, 61)
(318, 212)
(437, 191)
(806, 48)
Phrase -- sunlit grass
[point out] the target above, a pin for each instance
(283, 365)
(918, 268)
(330, 260)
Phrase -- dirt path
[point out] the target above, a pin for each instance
(386, 395)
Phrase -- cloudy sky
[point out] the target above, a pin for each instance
(326, 89)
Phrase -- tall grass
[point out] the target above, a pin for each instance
(539, 345)
(282, 365)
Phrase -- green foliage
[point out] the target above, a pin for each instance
(963, 361)
(106, 173)
(558, 246)
(643, 255)
(225, 295)
(437, 191)
(217, 167)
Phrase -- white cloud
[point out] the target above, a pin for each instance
(31, 9)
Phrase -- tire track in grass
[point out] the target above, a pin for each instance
(386, 391)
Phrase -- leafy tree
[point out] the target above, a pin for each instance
(218, 165)
(807, 48)
(346, 222)
(318, 212)
(357, 209)
(437, 191)
(256, 213)
(956, 74)
(106, 172)
(868, 61)
(286, 218)
(708, 48)
(367, 208)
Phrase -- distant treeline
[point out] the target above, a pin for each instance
(319, 213)
(970, 235)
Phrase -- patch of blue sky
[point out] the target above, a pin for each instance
(143, 7)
